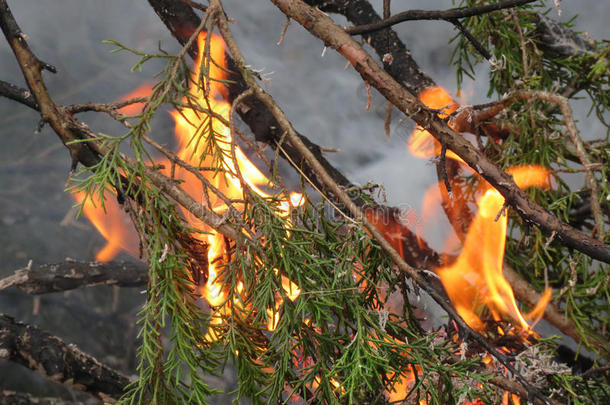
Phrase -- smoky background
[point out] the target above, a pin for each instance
(325, 102)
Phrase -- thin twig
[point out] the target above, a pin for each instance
(524, 63)
(475, 43)
(283, 34)
(447, 15)
(579, 146)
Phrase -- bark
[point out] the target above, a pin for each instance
(71, 274)
(58, 361)
(20, 398)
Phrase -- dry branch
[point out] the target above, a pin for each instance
(322, 26)
(71, 274)
(20, 398)
(447, 15)
(18, 94)
(60, 362)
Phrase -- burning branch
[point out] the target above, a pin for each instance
(579, 146)
(334, 36)
(302, 14)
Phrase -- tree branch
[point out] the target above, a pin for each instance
(20, 398)
(71, 274)
(320, 25)
(62, 363)
(18, 94)
(32, 68)
(447, 15)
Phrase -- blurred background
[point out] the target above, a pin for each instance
(325, 102)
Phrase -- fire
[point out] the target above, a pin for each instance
(144, 90)
(203, 141)
(114, 225)
(475, 280)
(196, 133)
(422, 144)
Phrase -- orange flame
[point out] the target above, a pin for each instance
(422, 144)
(114, 225)
(143, 90)
(475, 279)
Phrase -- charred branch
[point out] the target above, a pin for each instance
(72, 274)
(560, 39)
(20, 398)
(397, 60)
(58, 361)
(18, 94)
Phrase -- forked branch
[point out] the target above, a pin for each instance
(322, 26)
(447, 15)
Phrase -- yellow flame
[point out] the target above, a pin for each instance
(194, 130)
(475, 279)
(421, 143)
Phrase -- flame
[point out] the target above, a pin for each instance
(195, 131)
(422, 144)
(143, 90)
(475, 279)
(203, 141)
(114, 225)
